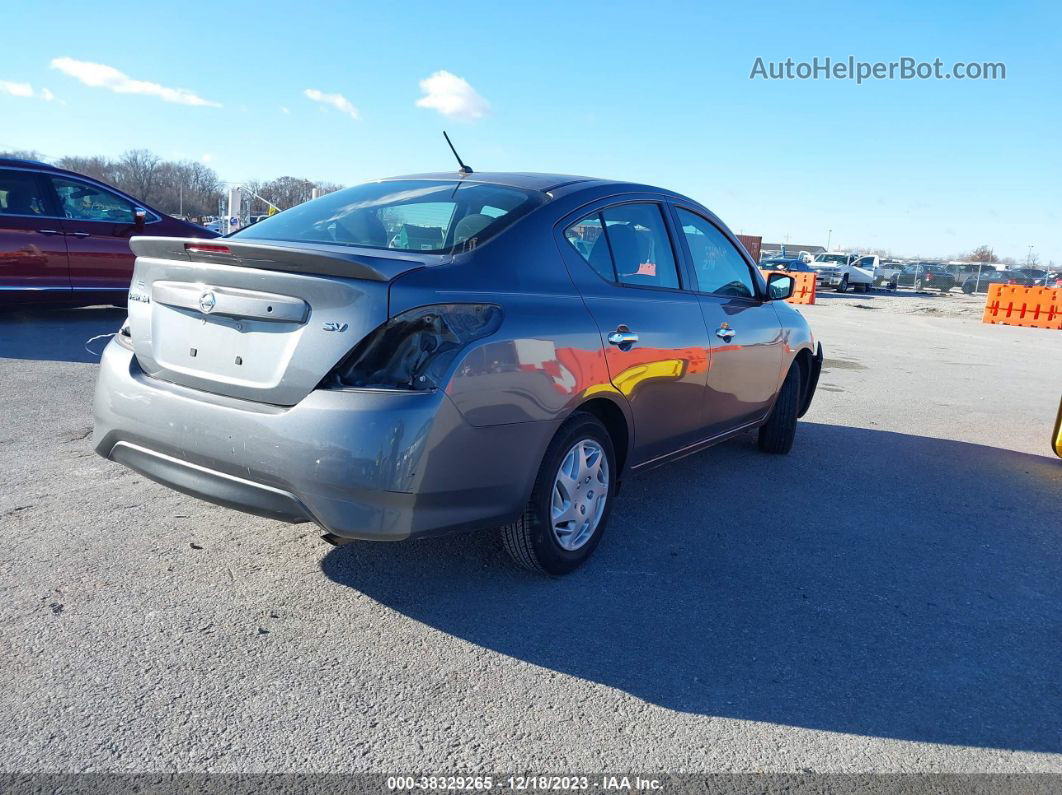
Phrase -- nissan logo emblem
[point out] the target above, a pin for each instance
(207, 301)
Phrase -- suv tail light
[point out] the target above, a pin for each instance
(414, 350)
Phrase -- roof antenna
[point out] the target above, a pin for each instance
(464, 171)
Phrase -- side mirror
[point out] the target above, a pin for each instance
(139, 218)
(779, 286)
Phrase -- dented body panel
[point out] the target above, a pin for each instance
(225, 386)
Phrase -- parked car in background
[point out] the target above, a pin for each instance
(1027, 277)
(330, 364)
(926, 275)
(64, 237)
(979, 283)
(885, 273)
(837, 269)
(795, 265)
(962, 270)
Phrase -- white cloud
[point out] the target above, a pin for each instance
(207, 157)
(25, 90)
(337, 101)
(284, 109)
(99, 75)
(453, 97)
(16, 89)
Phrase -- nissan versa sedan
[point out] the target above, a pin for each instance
(433, 353)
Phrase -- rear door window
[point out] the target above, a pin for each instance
(21, 194)
(628, 244)
(587, 237)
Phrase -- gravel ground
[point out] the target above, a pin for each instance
(886, 598)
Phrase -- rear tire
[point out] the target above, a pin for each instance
(533, 541)
(778, 433)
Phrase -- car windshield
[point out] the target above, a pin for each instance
(437, 217)
(831, 258)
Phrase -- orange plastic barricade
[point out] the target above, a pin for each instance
(1011, 305)
(803, 287)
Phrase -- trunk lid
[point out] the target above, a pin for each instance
(258, 321)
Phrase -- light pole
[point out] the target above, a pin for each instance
(829, 237)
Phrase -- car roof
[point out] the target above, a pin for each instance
(513, 179)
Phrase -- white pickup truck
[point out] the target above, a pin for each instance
(841, 270)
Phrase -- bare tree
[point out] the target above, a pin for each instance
(138, 172)
(189, 187)
(96, 167)
(982, 254)
(22, 154)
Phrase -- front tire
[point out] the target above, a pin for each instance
(777, 434)
(565, 518)
(843, 286)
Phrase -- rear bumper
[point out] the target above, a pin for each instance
(361, 464)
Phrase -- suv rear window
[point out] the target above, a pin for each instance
(437, 217)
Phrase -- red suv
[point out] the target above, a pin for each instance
(64, 237)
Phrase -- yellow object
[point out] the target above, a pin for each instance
(272, 210)
(1058, 432)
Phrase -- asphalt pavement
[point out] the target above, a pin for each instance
(885, 598)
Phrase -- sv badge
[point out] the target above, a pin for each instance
(332, 325)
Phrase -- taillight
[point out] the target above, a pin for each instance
(414, 350)
(206, 248)
(929, 277)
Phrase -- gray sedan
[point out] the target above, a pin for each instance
(447, 352)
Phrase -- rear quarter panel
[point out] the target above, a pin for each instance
(546, 358)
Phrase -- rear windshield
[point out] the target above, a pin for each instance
(408, 215)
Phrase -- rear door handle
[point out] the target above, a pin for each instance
(725, 333)
(623, 338)
(48, 232)
(78, 234)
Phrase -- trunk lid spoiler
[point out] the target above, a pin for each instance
(321, 259)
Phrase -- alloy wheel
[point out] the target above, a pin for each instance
(580, 493)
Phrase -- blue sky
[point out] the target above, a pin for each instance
(654, 92)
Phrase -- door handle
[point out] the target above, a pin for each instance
(47, 231)
(78, 234)
(725, 333)
(623, 338)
